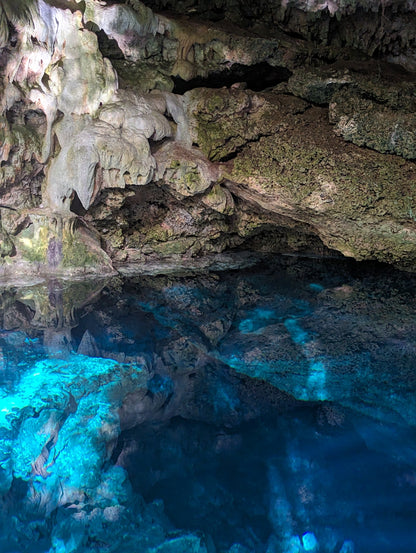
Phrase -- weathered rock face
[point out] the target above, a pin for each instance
(287, 167)
(323, 162)
(385, 27)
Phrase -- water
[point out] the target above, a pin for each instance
(270, 410)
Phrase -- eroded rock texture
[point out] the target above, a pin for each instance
(120, 143)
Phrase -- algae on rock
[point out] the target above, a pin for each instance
(221, 167)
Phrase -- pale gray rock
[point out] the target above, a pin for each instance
(124, 25)
(88, 345)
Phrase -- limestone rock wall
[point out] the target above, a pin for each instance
(102, 156)
(382, 27)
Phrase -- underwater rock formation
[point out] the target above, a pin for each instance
(102, 156)
(130, 417)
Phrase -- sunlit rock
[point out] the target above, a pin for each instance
(65, 62)
(95, 155)
(72, 132)
(112, 151)
(364, 107)
(63, 71)
(365, 123)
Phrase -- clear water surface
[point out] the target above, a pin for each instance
(270, 410)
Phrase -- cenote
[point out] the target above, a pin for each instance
(270, 409)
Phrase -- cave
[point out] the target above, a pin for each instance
(257, 77)
(207, 276)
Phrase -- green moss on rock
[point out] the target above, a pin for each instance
(142, 77)
(32, 244)
(287, 160)
(222, 121)
(75, 253)
(6, 244)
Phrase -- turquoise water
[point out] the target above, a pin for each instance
(270, 410)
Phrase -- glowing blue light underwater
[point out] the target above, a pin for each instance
(31, 340)
(316, 287)
(312, 387)
(258, 318)
(55, 426)
(309, 542)
(298, 335)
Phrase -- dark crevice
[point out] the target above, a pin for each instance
(12, 34)
(279, 239)
(257, 77)
(208, 11)
(232, 155)
(13, 115)
(108, 46)
(155, 145)
(34, 118)
(76, 206)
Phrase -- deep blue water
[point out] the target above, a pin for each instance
(270, 410)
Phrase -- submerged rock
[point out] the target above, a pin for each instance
(149, 428)
(180, 544)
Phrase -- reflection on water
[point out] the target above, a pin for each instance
(269, 411)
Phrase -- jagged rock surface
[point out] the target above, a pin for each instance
(286, 159)
(382, 27)
(158, 175)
